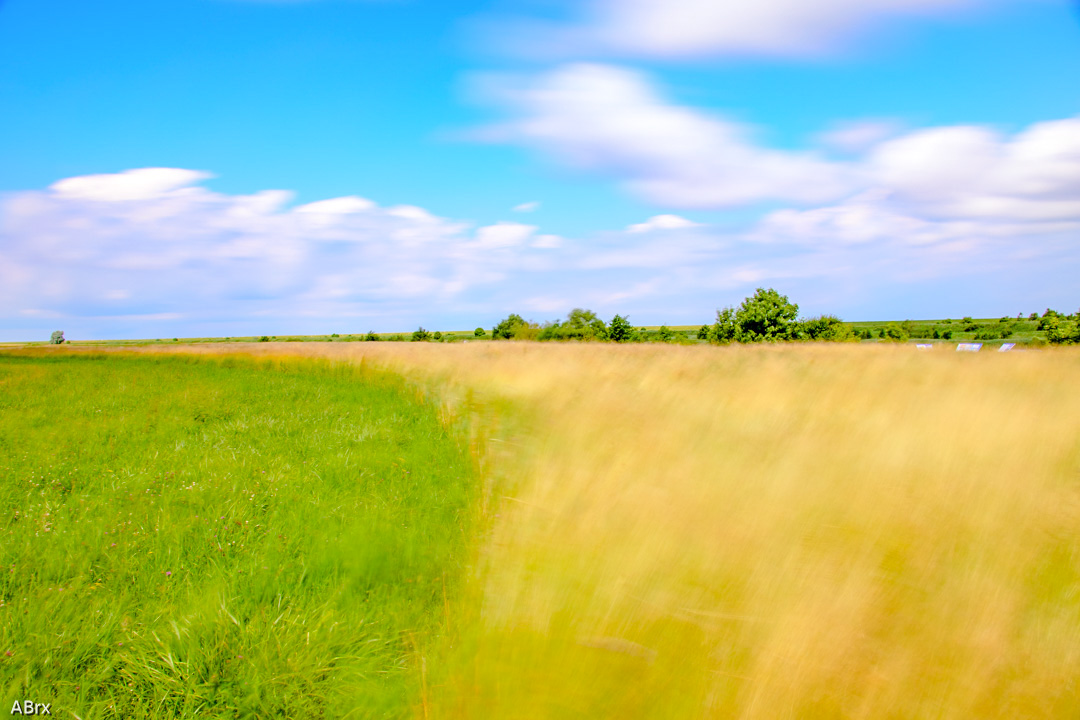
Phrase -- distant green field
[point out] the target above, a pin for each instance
(223, 537)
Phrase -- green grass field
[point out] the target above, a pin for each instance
(224, 537)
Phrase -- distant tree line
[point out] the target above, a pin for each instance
(766, 316)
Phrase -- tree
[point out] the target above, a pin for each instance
(437, 336)
(767, 316)
(479, 332)
(665, 334)
(725, 329)
(620, 329)
(57, 338)
(371, 336)
(703, 332)
(508, 328)
(580, 318)
(420, 335)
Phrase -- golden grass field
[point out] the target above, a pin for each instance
(762, 532)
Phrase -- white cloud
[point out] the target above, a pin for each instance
(612, 120)
(527, 207)
(140, 184)
(858, 135)
(547, 241)
(504, 234)
(662, 222)
(976, 173)
(711, 28)
(338, 206)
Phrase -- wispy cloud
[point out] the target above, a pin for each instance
(616, 122)
(707, 28)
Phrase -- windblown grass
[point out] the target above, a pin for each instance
(767, 532)
(183, 537)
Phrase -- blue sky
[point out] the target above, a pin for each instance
(228, 167)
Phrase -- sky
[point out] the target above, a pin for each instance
(184, 168)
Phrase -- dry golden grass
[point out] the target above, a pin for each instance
(767, 532)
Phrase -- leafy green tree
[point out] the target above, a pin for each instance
(371, 336)
(665, 334)
(703, 332)
(766, 316)
(620, 330)
(57, 338)
(1033, 316)
(420, 335)
(479, 332)
(437, 337)
(581, 318)
(725, 329)
(508, 328)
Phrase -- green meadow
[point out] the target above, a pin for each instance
(225, 537)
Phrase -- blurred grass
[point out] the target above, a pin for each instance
(226, 538)
(763, 532)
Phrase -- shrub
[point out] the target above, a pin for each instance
(665, 334)
(826, 328)
(703, 332)
(1062, 333)
(262, 339)
(420, 335)
(437, 337)
(969, 324)
(479, 332)
(894, 333)
(1049, 317)
(57, 338)
(1033, 316)
(947, 335)
(371, 336)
